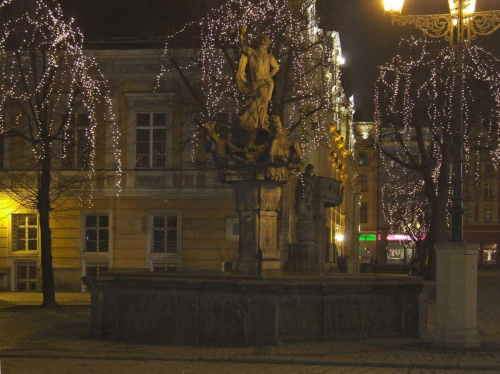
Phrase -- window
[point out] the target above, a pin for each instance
(232, 229)
(25, 275)
(24, 232)
(96, 267)
(488, 214)
(488, 168)
(96, 233)
(488, 190)
(363, 183)
(164, 234)
(363, 213)
(363, 159)
(78, 146)
(150, 140)
(467, 189)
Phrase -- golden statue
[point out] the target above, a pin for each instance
(256, 83)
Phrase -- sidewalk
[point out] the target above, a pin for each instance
(34, 340)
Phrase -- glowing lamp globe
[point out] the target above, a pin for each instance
(468, 7)
(393, 6)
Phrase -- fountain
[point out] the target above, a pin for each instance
(258, 304)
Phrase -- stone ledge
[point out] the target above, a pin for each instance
(251, 310)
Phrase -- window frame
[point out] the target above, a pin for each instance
(363, 212)
(488, 167)
(363, 183)
(82, 152)
(151, 139)
(96, 256)
(164, 256)
(488, 190)
(14, 267)
(152, 102)
(98, 228)
(488, 214)
(13, 244)
(230, 234)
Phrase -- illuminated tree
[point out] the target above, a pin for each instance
(52, 97)
(416, 114)
(307, 93)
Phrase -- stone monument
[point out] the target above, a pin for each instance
(257, 160)
(313, 194)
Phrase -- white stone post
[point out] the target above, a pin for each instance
(456, 296)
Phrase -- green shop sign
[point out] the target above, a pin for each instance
(367, 237)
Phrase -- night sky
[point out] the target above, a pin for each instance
(368, 38)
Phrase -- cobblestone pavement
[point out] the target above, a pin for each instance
(35, 340)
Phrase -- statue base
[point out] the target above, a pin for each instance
(257, 201)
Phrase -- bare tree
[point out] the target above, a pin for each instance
(416, 114)
(52, 98)
(307, 93)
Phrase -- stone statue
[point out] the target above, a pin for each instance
(257, 144)
(304, 194)
(282, 151)
(256, 68)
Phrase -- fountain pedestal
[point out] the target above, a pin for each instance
(257, 202)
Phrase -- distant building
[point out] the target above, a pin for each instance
(481, 205)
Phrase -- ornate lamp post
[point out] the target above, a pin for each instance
(456, 276)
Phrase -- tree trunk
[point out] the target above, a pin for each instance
(48, 288)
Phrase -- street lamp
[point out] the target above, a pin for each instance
(456, 262)
(460, 27)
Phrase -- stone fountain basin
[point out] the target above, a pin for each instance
(223, 309)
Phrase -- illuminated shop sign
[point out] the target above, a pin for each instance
(367, 237)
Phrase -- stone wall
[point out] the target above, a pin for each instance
(244, 310)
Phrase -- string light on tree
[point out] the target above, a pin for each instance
(415, 116)
(46, 79)
(303, 98)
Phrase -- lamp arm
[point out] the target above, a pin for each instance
(485, 23)
(434, 26)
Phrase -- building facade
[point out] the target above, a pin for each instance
(481, 202)
(174, 213)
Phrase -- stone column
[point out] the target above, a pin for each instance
(256, 204)
(456, 296)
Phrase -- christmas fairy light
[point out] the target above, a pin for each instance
(45, 79)
(307, 94)
(416, 113)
